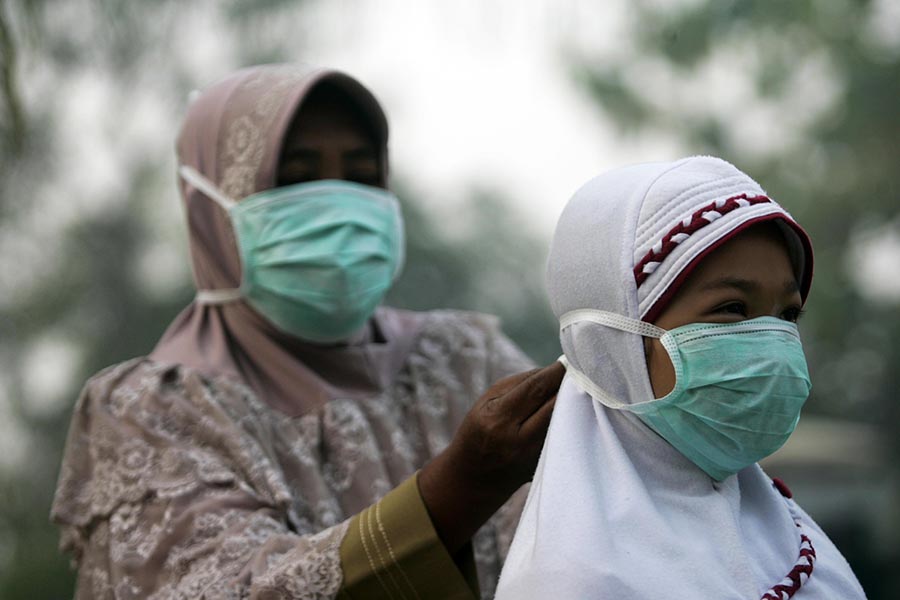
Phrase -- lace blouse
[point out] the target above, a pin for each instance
(178, 485)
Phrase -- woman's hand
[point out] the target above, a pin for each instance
(493, 453)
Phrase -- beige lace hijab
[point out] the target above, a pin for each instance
(233, 134)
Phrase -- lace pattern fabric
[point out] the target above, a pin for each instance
(175, 485)
(244, 144)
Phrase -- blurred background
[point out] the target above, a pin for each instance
(499, 110)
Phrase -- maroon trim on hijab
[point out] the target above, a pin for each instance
(233, 134)
(804, 278)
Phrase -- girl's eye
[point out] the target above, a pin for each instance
(792, 314)
(733, 308)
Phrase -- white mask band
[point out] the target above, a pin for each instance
(610, 319)
(193, 177)
(591, 388)
(615, 321)
(223, 296)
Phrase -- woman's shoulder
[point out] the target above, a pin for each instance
(146, 428)
(447, 334)
(144, 381)
(462, 326)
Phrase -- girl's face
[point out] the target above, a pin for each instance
(748, 276)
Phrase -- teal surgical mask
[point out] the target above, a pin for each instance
(739, 388)
(316, 258)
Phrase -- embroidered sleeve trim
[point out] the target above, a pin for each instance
(392, 551)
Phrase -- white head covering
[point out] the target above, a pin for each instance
(614, 511)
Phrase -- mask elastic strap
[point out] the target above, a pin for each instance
(223, 296)
(610, 319)
(193, 177)
(591, 388)
(615, 321)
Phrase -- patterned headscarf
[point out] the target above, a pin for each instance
(233, 134)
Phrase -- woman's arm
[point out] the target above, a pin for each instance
(494, 453)
(167, 490)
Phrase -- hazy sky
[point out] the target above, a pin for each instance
(480, 93)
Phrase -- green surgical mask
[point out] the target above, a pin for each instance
(316, 258)
(739, 388)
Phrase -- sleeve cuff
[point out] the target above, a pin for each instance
(392, 550)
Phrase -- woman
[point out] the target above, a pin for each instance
(681, 376)
(268, 447)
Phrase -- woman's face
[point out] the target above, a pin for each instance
(748, 276)
(328, 139)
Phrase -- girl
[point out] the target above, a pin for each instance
(678, 287)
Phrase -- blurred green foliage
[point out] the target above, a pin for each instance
(493, 264)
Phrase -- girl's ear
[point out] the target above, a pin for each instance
(648, 359)
(659, 367)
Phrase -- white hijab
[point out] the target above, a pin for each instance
(614, 511)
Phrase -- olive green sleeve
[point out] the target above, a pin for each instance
(392, 550)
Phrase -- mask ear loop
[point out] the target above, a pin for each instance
(610, 319)
(615, 321)
(193, 177)
(198, 181)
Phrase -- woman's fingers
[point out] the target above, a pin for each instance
(532, 393)
(503, 386)
(498, 443)
(535, 427)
